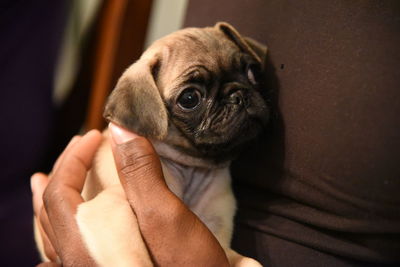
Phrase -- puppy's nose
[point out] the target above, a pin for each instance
(237, 97)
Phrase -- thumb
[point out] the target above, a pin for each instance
(138, 166)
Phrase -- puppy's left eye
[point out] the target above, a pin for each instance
(189, 98)
(253, 73)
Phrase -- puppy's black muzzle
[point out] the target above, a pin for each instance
(238, 97)
(236, 94)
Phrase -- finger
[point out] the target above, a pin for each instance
(70, 175)
(138, 166)
(63, 192)
(71, 143)
(39, 182)
(48, 247)
(62, 195)
(48, 264)
(46, 228)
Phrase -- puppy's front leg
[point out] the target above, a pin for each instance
(224, 233)
(224, 205)
(237, 260)
(217, 209)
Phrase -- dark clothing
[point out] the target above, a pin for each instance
(322, 187)
(30, 36)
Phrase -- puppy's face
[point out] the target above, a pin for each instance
(199, 90)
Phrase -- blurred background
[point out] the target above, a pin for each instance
(59, 60)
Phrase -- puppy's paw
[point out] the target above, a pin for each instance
(247, 262)
(237, 260)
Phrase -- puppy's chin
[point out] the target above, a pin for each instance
(223, 142)
(228, 142)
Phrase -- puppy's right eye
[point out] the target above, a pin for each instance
(253, 73)
(189, 98)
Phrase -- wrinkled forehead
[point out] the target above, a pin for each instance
(191, 49)
(198, 44)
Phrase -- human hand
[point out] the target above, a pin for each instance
(173, 234)
(56, 198)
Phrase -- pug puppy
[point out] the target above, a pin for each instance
(197, 94)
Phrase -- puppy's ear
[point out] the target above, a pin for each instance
(136, 103)
(246, 44)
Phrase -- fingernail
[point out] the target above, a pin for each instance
(33, 182)
(91, 132)
(74, 139)
(119, 134)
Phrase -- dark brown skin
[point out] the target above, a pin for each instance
(172, 233)
(55, 201)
